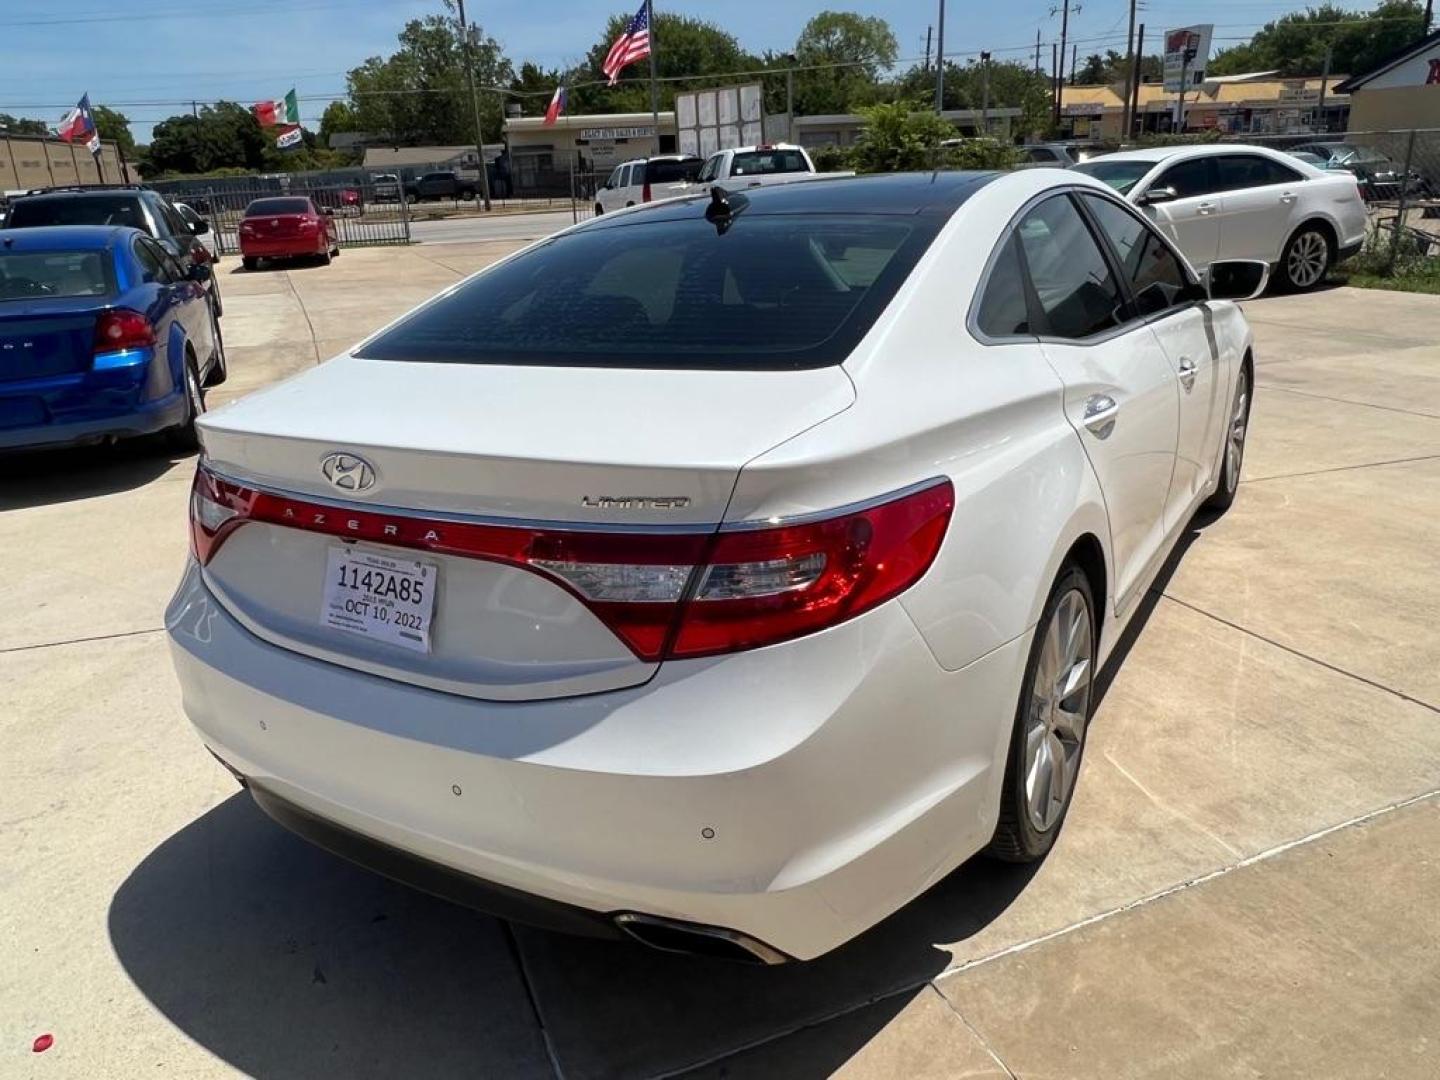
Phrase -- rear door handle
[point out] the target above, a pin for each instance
(1206, 208)
(1187, 373)
(1101, 412)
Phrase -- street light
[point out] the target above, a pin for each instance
(474, 105)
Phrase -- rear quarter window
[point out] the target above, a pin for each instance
(778, 292)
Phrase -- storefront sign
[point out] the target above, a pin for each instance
(617, 133)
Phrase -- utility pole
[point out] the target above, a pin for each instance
(195, 109)
(789, 103)
(1074, 54)
(475, 107)
(1055, 83)
(1129, 70)
(985, 93)
(1037, 50)
(928, 31)
(940, 63)
(1137, 68)
(1324, 80)
(654, 86)
(1429, 13)
(1060, 73)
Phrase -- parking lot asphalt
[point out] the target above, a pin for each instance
(1245, 887)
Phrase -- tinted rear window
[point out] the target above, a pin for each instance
(1120, 175)
(261, 207)
(762, 162)
(672, 172)
(783, 291)
(30, 275)
(80, 210)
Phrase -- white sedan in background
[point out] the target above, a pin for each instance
(1228, 201)
(722, 572)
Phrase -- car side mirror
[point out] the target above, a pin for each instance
(200, 228)
(199, 273)
(1237, 279)
(1159, 195)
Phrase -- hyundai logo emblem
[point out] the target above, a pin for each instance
(348, 472)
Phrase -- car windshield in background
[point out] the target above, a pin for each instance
(780, 292)
(77, 210)
(763, 162)
(672, 172)
(1120, 175)
(261, 207)
(32, 275)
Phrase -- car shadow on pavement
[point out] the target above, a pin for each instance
(285, 961)
(42, 477)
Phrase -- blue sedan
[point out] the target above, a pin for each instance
(102, 336)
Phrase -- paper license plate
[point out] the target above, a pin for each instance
(379, 597)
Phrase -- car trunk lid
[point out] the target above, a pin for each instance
(41, 338)
(594, 454)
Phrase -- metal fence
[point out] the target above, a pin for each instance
(360, 220)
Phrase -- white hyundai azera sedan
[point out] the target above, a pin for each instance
(722, 572)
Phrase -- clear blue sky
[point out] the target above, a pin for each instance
(152, 54)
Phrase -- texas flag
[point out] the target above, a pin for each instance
(78, 124)
(555, 108)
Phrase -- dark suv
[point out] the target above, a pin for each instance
(118, 204)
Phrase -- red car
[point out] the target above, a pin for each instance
(286, 227)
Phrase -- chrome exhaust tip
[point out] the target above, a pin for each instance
(693, 939)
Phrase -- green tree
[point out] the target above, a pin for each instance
(338, 116)
(114, 127)
(418, 95)
(683, 46)
(20, 125)
(1295, 44)
(846, 53)
(899, 136)
(223, 135)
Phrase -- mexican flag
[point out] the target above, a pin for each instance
(284, 111)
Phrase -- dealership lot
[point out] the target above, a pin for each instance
(1245, 885)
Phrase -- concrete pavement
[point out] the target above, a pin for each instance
(1245, 886)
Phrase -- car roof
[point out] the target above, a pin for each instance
(878, 193)
(65, 237)
(88, 193)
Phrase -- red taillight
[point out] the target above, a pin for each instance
(200, 255)
(663, 594)
(122, 329)
(645, 192)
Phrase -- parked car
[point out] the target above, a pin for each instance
(1379, 175)
(444, 185)
(757, 166)
(341, 200)
(102, 336)
(646, 179)
(1059, 154)
(119, 204)
(287, 227)
(200, 228)
(1242, 202)
(722, 574)
(387, 187)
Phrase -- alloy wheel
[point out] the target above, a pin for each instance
(1308, 257)
(1059, 704)
(1235, 437)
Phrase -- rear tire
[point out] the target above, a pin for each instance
(1306, 259)
(1051, 721)
(249, 262)
(183, 436)
(599, 209)
(325, 257)
(1232, 458)
(219, 367)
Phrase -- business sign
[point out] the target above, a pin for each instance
(1187, 53)
(719, 119)
(588, 134)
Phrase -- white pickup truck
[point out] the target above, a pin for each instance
(756, 166)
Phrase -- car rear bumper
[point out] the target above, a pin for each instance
(289, 247)
(56, 427)
(795, 795)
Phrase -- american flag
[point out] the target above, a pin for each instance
(632, 45)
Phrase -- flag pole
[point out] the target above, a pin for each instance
(654, 87)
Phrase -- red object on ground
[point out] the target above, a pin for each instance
(43, 1043)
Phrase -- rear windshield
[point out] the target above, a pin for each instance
(781, 291)
(672, 172)
(761, 162)
(1120, 175)
(30, 275)
(80, 210)
(261, 207)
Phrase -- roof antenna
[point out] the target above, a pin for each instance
(722, 209)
